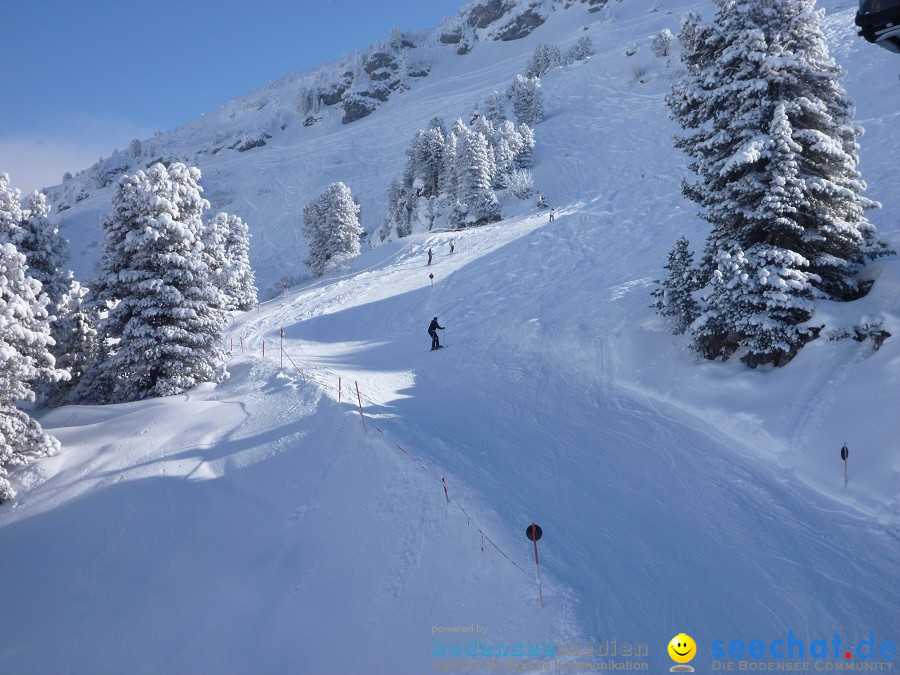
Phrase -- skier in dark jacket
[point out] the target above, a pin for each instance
(432, 331)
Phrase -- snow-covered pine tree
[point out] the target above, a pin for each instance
(475, 180)
(240, 281)
(528, 103)
(544, 57)
(46, 252)
(427, 159)
(226, 250)
(437, 122)
(581, 50)
(213, 253)
(661, 45)
(331, 226)
(485, 127)
(674, 295)
(24, 359)
(45, 255)
(757, 57)
(493, 108)
(506, 143)
(758, 301)
(75, 332)
(10, 210)
(524, 156)
(389, 226)
(166, 314)
(448, 181)
(778, 44)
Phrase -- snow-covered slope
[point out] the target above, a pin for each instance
(255, 527)
(268, 186)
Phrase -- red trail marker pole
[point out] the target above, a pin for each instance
(282, 346)
(339, 390)
(242, 344)
(264, 349)
(359, 398)
(445, 492)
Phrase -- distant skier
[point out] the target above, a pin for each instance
(432, 331)
(541, 202)
(551, 215)
(452, 246)
(429, 256)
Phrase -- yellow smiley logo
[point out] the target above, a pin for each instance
(682, 648)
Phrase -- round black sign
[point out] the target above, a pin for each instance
(844, 452)
(431, 276)
(535, 534)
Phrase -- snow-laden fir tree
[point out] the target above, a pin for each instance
(661, 45)
(44, 248)
(227, 247)
(240, 286)
(10, 210)
(475, 167)
(675, 294)
(525, 154)
(528, 101)
(448, 180)
(770, 282)
(75, 332)
(166, 316)
(493, 108)
(212, 237)
(331, 226)
(394, 213)
(759, 57)
(581, 50)
(759, 299)
(424, 161)
(24, 359)
(544, 57)
(46, 252)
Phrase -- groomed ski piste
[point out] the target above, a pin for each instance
(259, 526)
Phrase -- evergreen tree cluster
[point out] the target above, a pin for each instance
(332, 229)
(151, 324)
(26, 301)
(452, 175)
(544, 57)
(547, 56)
(527, 99)
(166, 281)
(768, 127)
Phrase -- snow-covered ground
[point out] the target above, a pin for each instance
(255, 527)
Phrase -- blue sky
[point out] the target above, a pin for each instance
(84, 78)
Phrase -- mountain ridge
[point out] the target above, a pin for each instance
(278, 116)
